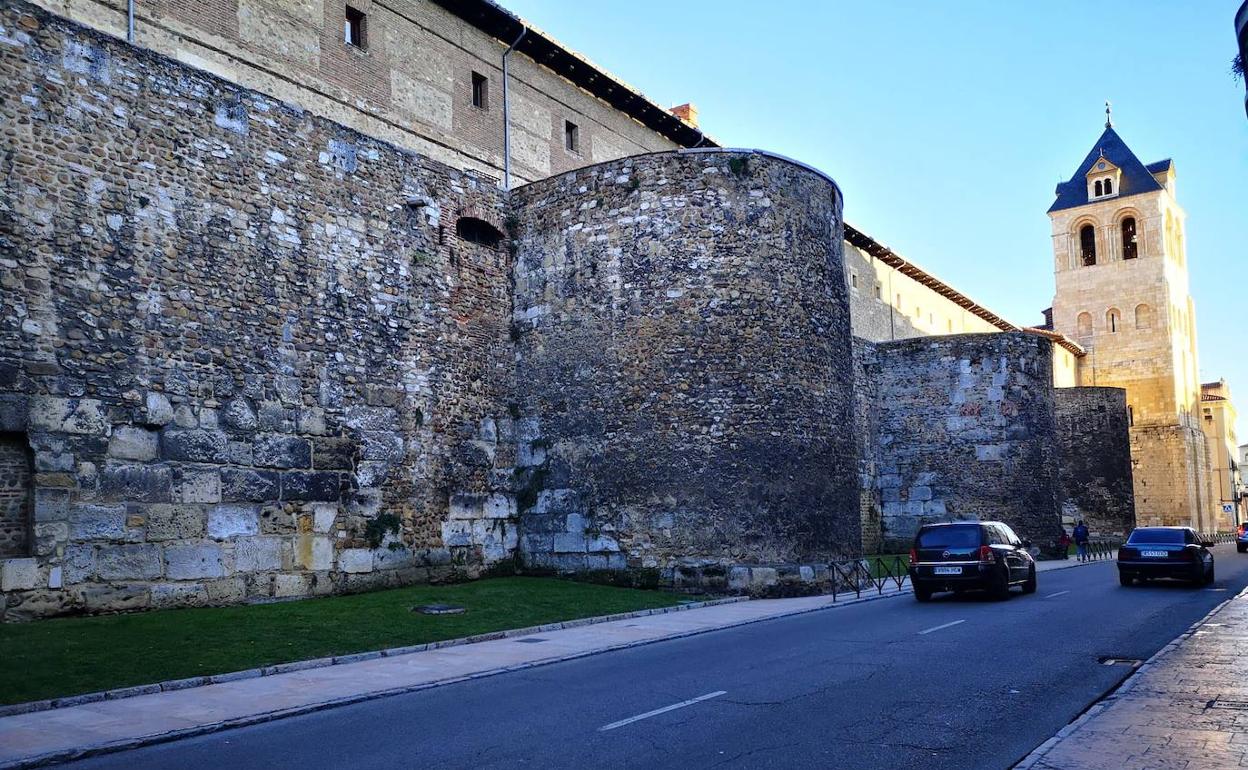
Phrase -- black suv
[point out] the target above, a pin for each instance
(970, 555)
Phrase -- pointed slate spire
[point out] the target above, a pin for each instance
(1136, 178)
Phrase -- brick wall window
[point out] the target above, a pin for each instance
(571, 136)
(16, 479)
(480, 91)
(354, 29)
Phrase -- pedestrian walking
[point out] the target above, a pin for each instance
(1063, 542)
(1081, 540)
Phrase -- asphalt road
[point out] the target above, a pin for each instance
(960, 682)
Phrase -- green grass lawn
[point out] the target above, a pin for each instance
(67, 656)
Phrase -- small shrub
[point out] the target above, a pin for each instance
(739, 166)
(377, 528)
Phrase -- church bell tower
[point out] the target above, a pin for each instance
(1122, 292)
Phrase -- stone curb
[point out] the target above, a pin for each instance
(1037, 754)
(270, 716)
(303, 665)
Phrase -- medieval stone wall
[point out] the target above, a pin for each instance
(684, 365)
(1095, 466)
(967, 431)
(231, 342)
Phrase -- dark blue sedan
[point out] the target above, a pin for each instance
(1165, 552)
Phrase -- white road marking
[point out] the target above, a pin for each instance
(1059, 593)
(937, 628)
(663, 710)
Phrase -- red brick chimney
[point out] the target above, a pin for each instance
(686, 112)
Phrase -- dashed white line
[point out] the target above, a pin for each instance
(937, 628)
(1059, 593)
(663, 710)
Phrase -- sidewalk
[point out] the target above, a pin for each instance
(1187, 706)
(65, 733)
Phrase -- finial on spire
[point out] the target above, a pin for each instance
(1109, 122)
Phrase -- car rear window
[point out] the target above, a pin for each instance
(950, 537)
(1174, 536)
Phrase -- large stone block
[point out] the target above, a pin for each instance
(194, 445)
(229, 520)
(192, 562)
(333, 453)
(378, 445)
(239, 415)
(355, 560)
(136, 483)
(18, 574)
(249, 485)
(131, 442)
(166, 595)
(198, 485)
(286, 586)
(314, 552)
(278, 450)
(257, 554)
(97, 522)
(68, 415)
(312, 486)
(175, 522)
(368, 418)
(156, 409)
(128, 562)
(113, 598)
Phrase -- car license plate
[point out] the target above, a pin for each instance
(1154, 554)
(948, 570)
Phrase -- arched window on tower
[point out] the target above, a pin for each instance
(1084, 324)
(1087, 245)
(1113, 320)
(1109, 186)
(1143, 317)
(1130, 249)
(1097, 189)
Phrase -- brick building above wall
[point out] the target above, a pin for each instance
(422, 74)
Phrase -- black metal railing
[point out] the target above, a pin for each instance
(868, 573)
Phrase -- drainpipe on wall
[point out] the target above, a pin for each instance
(507, 113)
(130, 21)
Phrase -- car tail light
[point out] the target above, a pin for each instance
(1126, 553)
(986, 555)
(914, 556)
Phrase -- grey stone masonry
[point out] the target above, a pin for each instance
(222, 352)
(1095, 466)
(684, 372)
(966, 430)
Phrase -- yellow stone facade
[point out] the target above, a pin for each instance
(1122, 293)
(1217, 419)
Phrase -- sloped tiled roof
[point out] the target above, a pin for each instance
(1159, 166)
(1136, 177)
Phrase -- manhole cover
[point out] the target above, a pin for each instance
(1236, 705)
(1111, 661)
(439, 609)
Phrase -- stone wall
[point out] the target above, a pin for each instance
(1095, 459)
(233, 335)
(684, 367)
(967, 431)
(15, 485)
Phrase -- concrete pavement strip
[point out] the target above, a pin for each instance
(158, 713)
(1184, 705)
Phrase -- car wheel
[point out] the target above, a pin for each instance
(1209, 575)
(922, 593)
(1000, 588)
(1241, 548)
(1125, 579)
(1029, 586)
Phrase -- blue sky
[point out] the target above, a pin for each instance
(947, 124)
